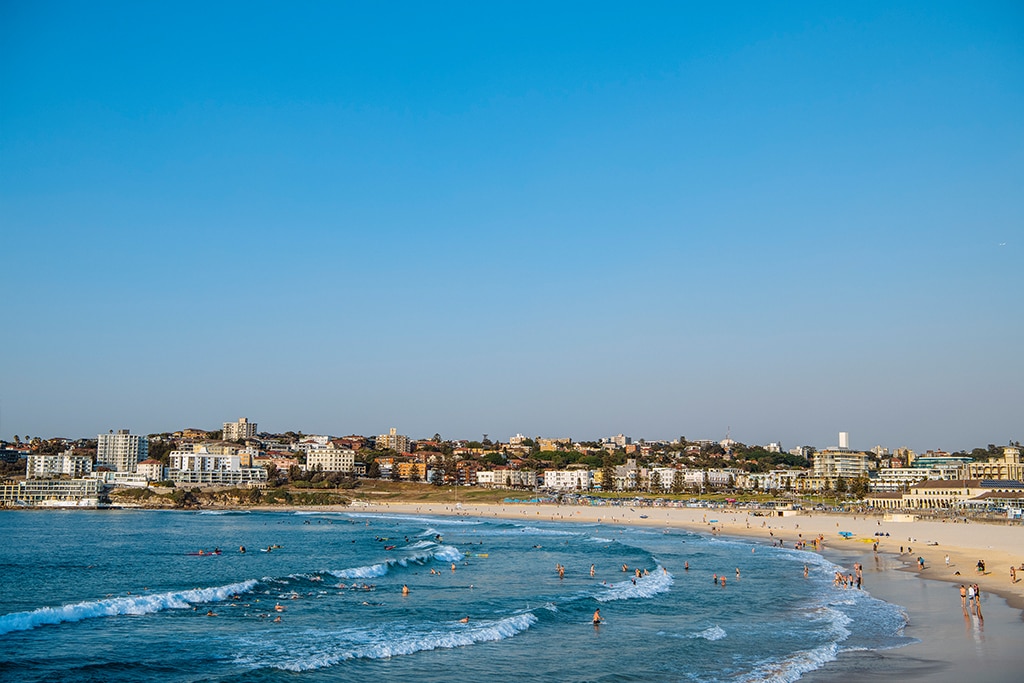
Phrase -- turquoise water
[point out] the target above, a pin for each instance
(116, 596)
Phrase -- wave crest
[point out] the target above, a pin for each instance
(112, 607)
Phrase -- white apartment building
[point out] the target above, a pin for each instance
(203, 461)
(894, 479)
(507, 477)
(393, 440)
(243, 429)
(121, 451)
(715, 477)
(619, 440)
(664, 476)
(203, 467)
(833, 463)
(51, 493)
(331, 460)
(569, 480)
(67, 463)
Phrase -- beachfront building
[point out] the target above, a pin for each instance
(902, 478)
(331, 460)
(775, 480)
(399, 443)
(953, 493)
(204, 467)
(627, 477)
(152, 470)
(568, 480)
(661, 479)
(50, 493)
(120, 479)
(121, 451)
(243, 429)
(46, 466)
(1005, 468)
(506, 477)
(835, 463)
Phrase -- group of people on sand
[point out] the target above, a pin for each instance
(970, 599)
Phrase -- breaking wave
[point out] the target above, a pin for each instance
(112, 607)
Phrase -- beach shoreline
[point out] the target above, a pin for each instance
(949, 644)
(999, 546)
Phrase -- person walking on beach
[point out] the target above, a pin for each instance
(947, 561)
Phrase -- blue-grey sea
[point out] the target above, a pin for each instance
(119, 596)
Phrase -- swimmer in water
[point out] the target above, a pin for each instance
(597, 617)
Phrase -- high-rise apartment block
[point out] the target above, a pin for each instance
(393, 440)
(121, 451)
(243, 429)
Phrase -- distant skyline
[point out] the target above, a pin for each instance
(576, 219)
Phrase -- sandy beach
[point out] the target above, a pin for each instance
(952, 646)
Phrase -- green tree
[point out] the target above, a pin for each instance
(373, 470)
(678, 482)
(655, 481)
(860, 486)
(607, 474)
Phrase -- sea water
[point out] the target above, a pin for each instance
(121, 596)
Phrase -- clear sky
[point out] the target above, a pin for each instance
(560, 219)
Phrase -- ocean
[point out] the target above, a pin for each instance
(122, 596)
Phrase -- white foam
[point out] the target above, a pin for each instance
(791, 668)
(712, 633)
(135, 604)
(645, 587)
(444, 553)
(383, 645)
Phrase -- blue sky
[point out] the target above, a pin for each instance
(787, 219)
